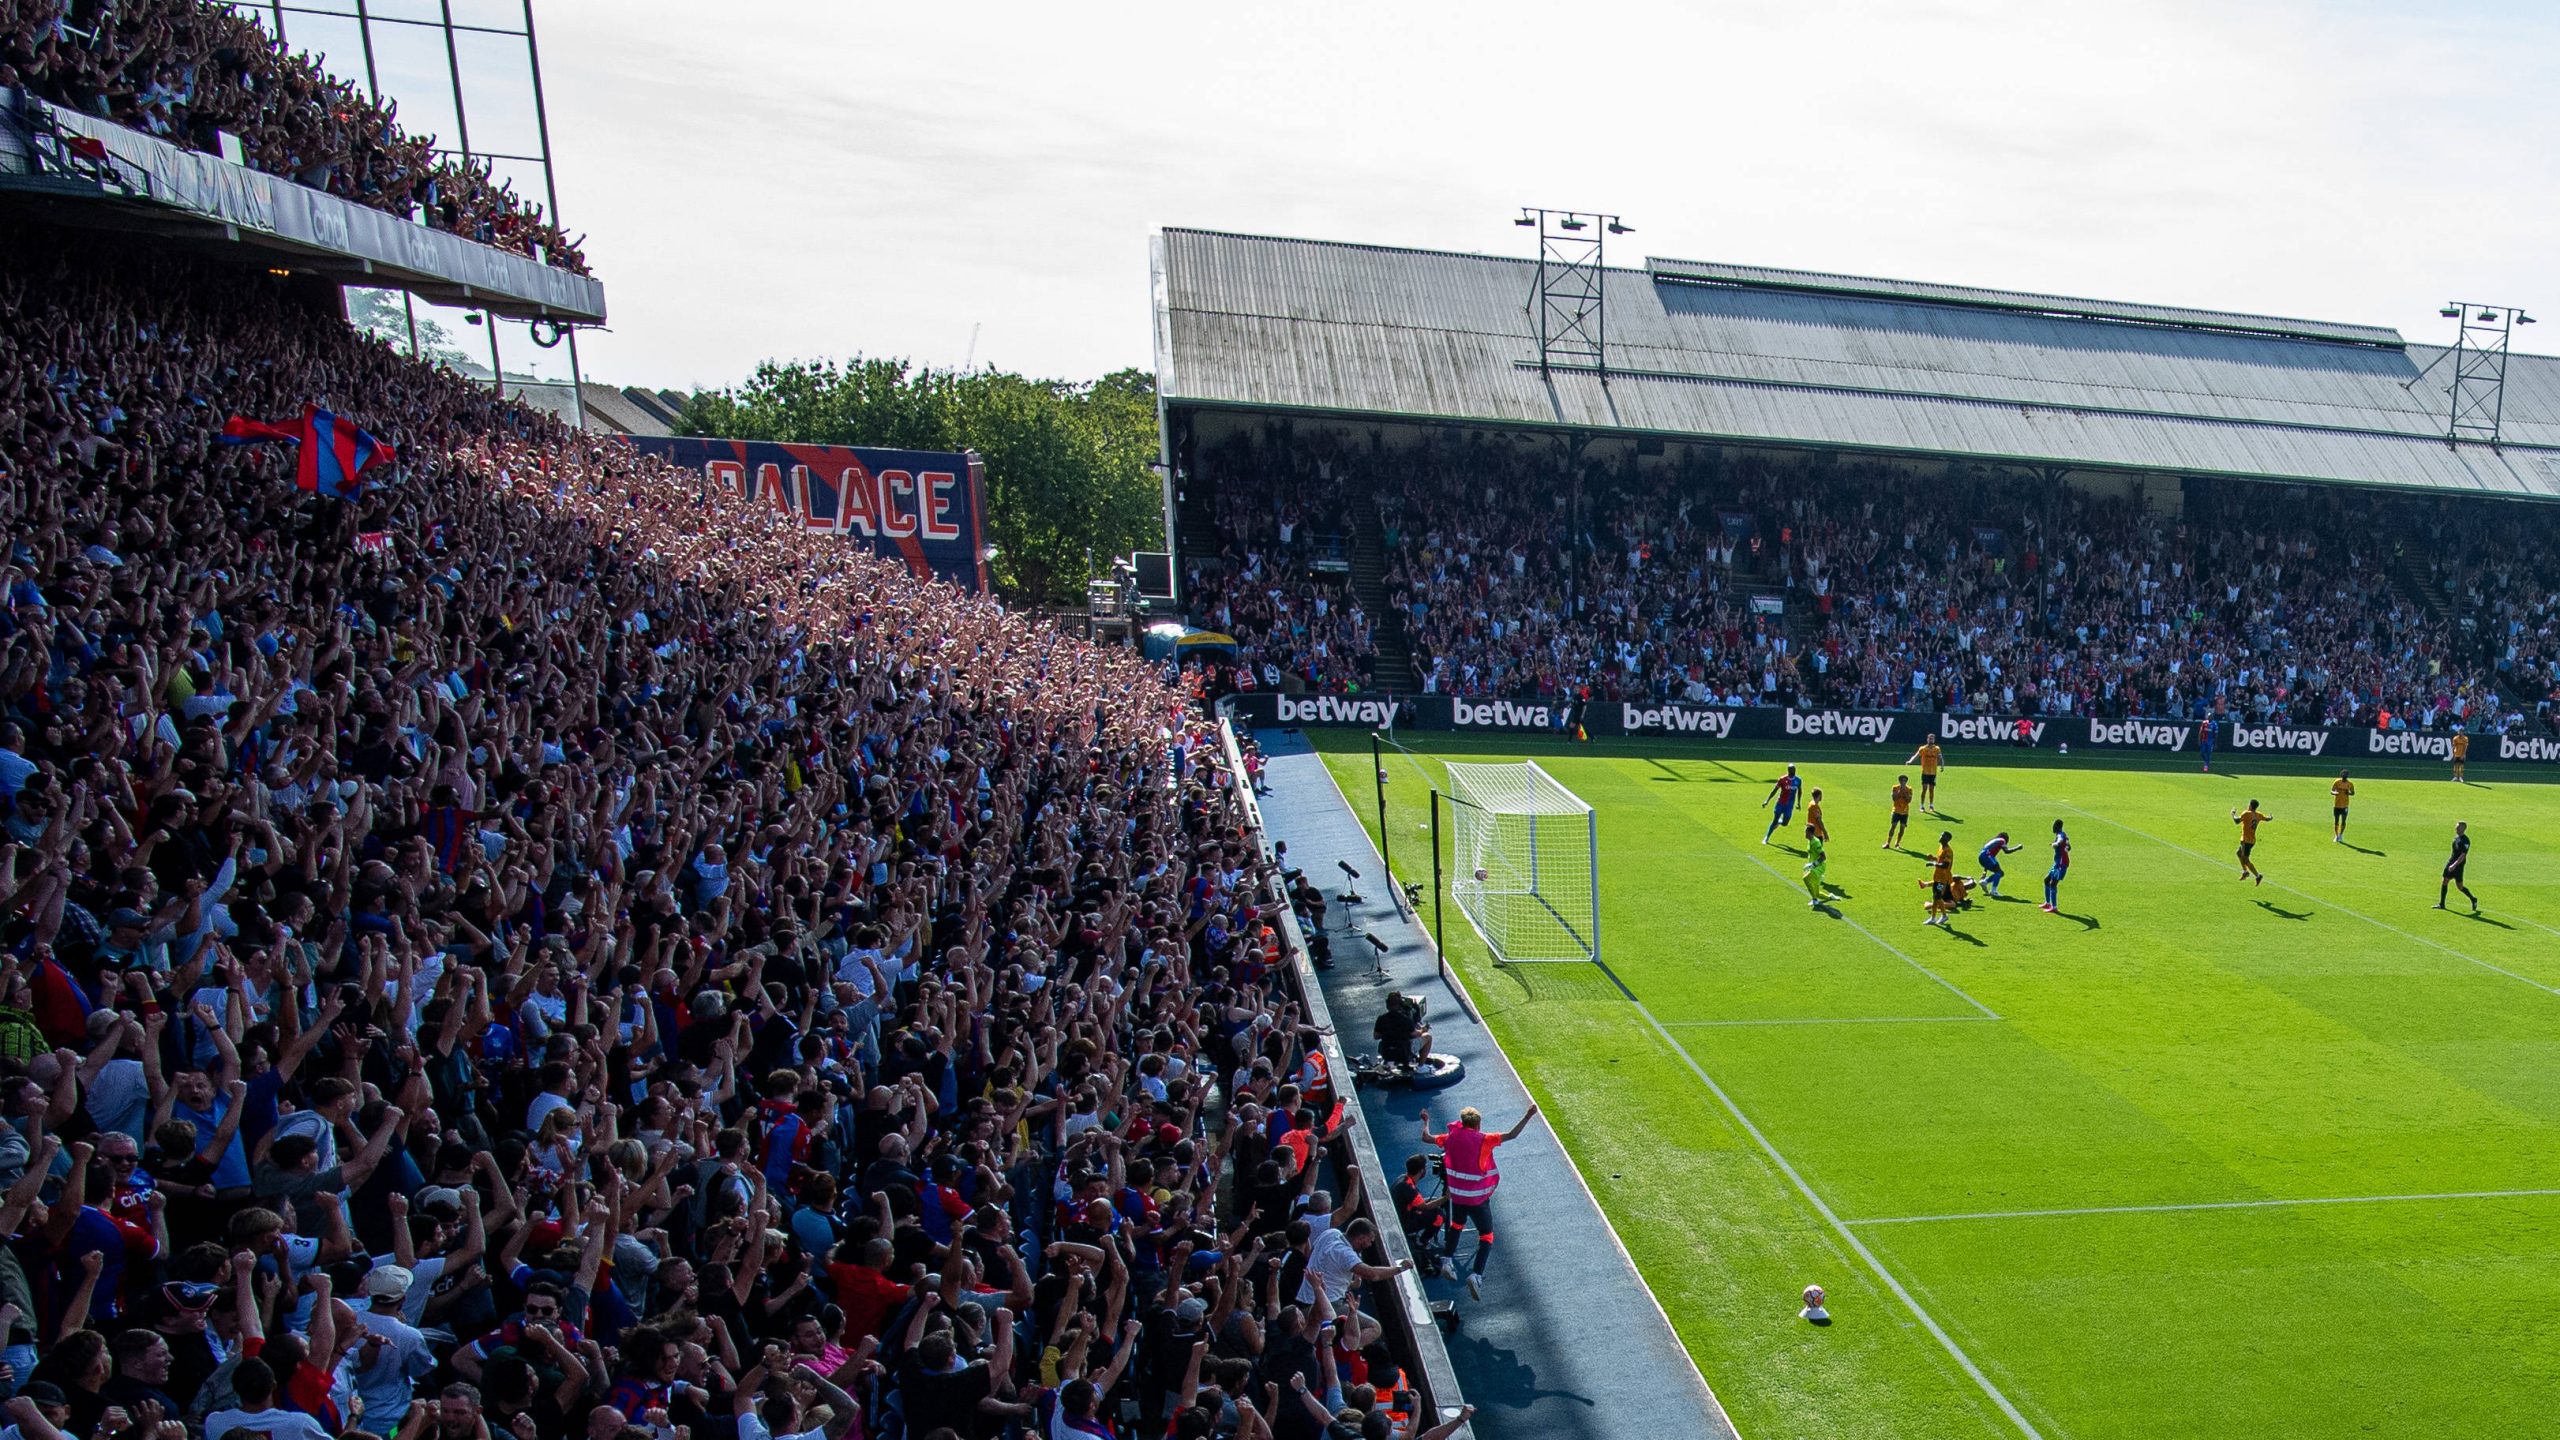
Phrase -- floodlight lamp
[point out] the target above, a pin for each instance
(1569, 223)
(2523, 319)
(1619, 228)
(2488, 316)
(1526, 218)
(2450, 312)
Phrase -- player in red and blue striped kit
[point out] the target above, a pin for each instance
(2061, 871)
(1784, 793)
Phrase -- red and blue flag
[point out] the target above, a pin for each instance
(337, 458)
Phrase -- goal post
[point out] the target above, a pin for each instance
(1527, 857)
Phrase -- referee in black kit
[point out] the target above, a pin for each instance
(2453, 867)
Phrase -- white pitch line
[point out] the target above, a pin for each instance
(2321, 900)
(1839, 1227)
(2209, 1205)
(1897, 951)
(1841, 1020)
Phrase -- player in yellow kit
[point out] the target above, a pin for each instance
(2461, 752)
(1901, 820)
(1928, 757)
(1814, 829)
(2249, 820)
(1942, 880)
(2341, 791)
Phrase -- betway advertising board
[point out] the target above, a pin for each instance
(1886, 730)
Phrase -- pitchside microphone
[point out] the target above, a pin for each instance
(1349, 896)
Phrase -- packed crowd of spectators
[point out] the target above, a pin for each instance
(503, 958)
(192, 71)
(1742, 581)
(1282, 575)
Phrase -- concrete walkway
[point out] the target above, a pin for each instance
(1567, 1342)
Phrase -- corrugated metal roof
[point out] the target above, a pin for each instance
(1763, 277)
(1256, 322)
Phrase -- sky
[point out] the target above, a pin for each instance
(976, 182)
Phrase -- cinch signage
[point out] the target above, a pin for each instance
(919, 506)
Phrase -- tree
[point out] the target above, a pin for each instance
(1066, 464)
(380, 314)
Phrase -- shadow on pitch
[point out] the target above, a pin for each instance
(1564, 983)
(1973, 940)
(2376, 854)
(2282, 914)
(2085, 922)
(2485, 920)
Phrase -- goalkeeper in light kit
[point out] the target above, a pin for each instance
(1816, 865)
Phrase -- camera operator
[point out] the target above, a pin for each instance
(1424, 1217)
(1403, 1036)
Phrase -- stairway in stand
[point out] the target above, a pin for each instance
(1395, 673)
(2414, 585)
(1201, 545)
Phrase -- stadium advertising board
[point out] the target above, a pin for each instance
(920, 506)
(1884, 729)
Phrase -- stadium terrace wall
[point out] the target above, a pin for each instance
(1893, 729)
(350, 243)
(924, 507)
(1400, 1304)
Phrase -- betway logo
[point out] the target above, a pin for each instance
(2279, 737)
(2139, 732)
(1504, 714)
(1986, 727)
(1871, 728)
(2408, 742)
(2536, 748)
(1334, 710)
(1677, 720)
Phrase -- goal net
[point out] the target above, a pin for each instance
(1528, 860)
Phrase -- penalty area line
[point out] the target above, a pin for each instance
(1839, 1020)
(2209, 1205)
(1890, 948)
(1841, 1228)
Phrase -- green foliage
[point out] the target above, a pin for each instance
(1066, 463)
(380, 314)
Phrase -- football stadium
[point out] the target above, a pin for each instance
(1517, 841)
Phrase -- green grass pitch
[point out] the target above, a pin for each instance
(2230, 1160)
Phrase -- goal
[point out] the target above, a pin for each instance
(1527, 852)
